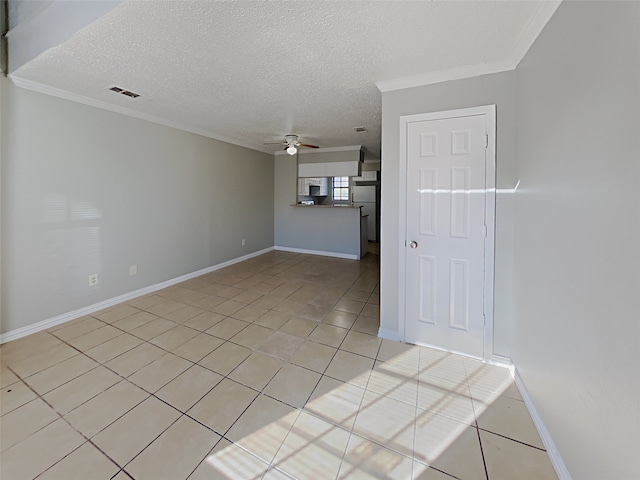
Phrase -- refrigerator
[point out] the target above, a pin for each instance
(367, 196)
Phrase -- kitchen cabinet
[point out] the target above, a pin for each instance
(330, 169)
(303, 186)
(368, 176)
(313, 186)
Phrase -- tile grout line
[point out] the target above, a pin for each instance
(271, 465)
(484, 462)
(143, 340)
(512, 439)
(123, 471)
(413, 463)
(418, 409)
(355, 419)
(60, 417)
(122, 468)
(199, 331)
(300, 410)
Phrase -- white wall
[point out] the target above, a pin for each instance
(498, 89)
(90, 191)
(577, 235)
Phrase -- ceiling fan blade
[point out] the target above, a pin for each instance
(275, 143)
(307, 145)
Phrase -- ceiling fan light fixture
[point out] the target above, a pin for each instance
(292, 150)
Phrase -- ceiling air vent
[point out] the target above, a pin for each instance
(122, 91)
(360, 129)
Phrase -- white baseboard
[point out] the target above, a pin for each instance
(500, 360)
(318, 252)
(505, 362)
(545, 436)
(96, 307)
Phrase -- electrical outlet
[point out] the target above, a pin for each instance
(93, 280)
(244, 242)
(133, 270)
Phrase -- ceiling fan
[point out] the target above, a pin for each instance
(291, 144)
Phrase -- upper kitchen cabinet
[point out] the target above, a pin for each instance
(330, 169)
(331, 162)
(319, 186)
(303, 186)
(315, 187)
(368, 176)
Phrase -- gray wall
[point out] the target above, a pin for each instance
(498, 89)
(335, 230)
(89, 191)
(577, 235)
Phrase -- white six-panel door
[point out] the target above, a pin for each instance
(446, 227)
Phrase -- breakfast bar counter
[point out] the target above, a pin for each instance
(332, 205)
(331, 229)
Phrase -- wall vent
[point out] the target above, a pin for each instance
(122, 91)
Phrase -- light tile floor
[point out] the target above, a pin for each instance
(268, 369)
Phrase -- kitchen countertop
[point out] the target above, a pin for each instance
(339, 205)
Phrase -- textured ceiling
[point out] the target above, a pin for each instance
(250, 72)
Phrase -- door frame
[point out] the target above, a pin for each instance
(490, 209)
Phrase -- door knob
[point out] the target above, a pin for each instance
(413, 244)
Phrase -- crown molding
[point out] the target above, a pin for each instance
(440, 76)
(532, 29)
(540, 17)
(74, 97)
